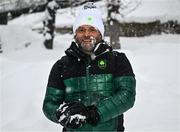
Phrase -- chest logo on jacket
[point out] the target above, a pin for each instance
(102, 64)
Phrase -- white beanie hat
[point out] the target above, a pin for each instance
(89, 15)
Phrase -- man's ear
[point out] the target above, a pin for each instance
(75, 36)
(100, 38)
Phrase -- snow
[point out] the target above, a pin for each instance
(156, 62)
(148, 10)
(25, 65)
(9, 5)
(151, 10)
(25, 70)
(52, 5)
(78, 117)
(48, 36)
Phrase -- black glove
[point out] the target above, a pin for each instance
(92, 115)
(72, 115)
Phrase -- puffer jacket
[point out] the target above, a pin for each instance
(105, 80)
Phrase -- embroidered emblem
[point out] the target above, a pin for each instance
(102, 64)
(90, 19)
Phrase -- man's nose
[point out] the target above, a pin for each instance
(87, 33)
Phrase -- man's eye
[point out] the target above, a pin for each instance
(93, 30)
(80, 30)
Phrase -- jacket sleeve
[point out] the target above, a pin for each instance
(54, 93)
(124, 96)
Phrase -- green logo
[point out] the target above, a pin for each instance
(90, 19)
(102, 64)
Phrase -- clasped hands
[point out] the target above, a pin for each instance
(74, 115)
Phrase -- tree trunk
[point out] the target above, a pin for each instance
(1, 46)
(49, 23)
(114, 33)
(113, 24)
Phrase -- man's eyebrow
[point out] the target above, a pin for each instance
(93, 28)
(80, 28)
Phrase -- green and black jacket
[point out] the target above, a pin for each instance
(106, 81)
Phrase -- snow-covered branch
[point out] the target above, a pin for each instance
(122, 7)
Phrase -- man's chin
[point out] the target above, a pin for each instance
(87, 46)
(87, 49)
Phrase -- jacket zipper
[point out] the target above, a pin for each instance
(87, 81)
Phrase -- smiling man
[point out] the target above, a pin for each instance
(91, 87)
(87, 37)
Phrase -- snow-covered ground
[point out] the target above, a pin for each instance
(24, 74)
(25, 65)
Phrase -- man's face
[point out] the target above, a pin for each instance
(87, 37)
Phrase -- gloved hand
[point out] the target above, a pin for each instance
(92, 116)
(72, 115)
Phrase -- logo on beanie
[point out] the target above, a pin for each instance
(102, 64)
(89, 5)
(90, 19)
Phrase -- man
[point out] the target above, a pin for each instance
(91, 87)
